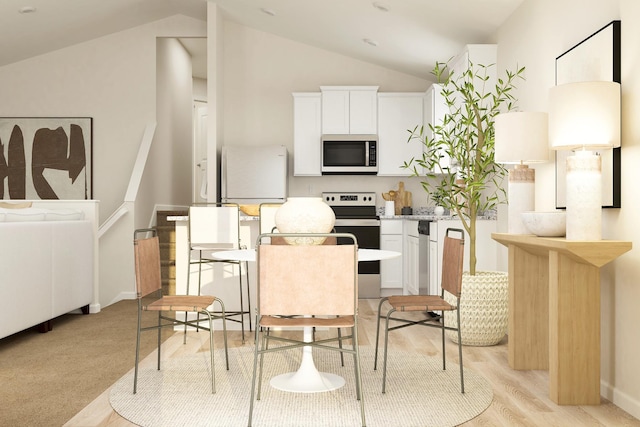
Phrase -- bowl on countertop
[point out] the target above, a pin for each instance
(546, 224)
(251, 210)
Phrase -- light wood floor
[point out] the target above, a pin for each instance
(520, 397)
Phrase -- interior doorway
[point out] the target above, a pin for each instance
(200, 186)
(197, 49)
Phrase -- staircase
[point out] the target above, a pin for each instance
(167, 237)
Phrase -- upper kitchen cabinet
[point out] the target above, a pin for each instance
(398, 113)
(349, 109)
(435, 109)
(307, 130)
(476, 54)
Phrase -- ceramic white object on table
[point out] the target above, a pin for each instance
(546, 224)
(305, 215)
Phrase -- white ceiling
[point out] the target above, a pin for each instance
(411, 35)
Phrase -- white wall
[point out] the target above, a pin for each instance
(167, 177)
(534, 36)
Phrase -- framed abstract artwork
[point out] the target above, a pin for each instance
(596, 58)
(46, 158)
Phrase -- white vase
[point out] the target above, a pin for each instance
(484, 309)
(305, 215)
(438, 210)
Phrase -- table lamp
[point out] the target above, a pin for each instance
(583, 117)
(521, 139)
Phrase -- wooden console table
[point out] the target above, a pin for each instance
(554, 311)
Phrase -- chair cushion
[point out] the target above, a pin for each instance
(331, 322)
(181, 303)
(419, 303)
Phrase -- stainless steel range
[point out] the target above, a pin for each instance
(356, 214)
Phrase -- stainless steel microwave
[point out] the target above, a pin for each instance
(349, 154)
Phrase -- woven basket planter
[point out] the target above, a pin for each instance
(484, 309)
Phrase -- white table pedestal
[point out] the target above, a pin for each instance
(307, 379)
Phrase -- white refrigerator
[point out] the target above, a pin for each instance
(253, 174)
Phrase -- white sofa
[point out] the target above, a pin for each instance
(46, 265)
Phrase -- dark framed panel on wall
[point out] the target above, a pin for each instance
(46, 158)
(596, 58)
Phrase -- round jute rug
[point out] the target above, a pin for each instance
(419, 393)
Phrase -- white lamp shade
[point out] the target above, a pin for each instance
(521, 137)
(584, 115)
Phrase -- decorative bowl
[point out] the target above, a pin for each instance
(546, 224)
(251, 210)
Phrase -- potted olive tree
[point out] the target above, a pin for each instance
(458, 157)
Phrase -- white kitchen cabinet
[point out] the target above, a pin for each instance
(434, 276)
(435, 109)
(406, 275)
(411, 273)
(349, 109)
(397, 114)
(391, 269)
(307, 122)
(477, 54)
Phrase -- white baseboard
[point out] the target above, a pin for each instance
(620, 399)
(121, 296)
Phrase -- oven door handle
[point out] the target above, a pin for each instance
(357, 222)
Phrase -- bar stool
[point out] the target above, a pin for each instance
(215, 227)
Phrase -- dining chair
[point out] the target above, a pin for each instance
(215, 227)
(268, 225)
(306, 286)
(451, 282)
(150, 298)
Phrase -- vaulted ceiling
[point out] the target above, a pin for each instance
(404, 35)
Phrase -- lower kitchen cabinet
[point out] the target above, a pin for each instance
(419, 268)
(391, 269)
(411, 273)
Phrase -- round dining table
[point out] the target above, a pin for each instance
(307, 379)
(250, 255)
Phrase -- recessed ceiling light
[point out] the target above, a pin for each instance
(27, 9)
(380, 6)
(267, 11)
(370, 42)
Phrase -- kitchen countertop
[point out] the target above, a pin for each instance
(425, 217)
(186, 218)
(431, 217)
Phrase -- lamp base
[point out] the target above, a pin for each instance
(521, 197)
(584, 196)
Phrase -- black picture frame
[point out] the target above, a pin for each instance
(596, 58)
(46, 158)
